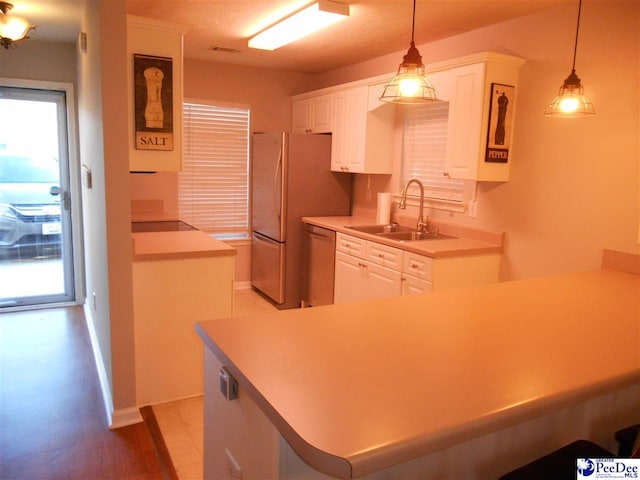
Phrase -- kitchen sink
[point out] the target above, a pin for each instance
(399, 233)
(413, 235)
(379, 229)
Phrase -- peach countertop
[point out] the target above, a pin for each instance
(468, 242)
(358, 387)
(181, 244)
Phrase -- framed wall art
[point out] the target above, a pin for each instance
(153, 94)
(500, 123)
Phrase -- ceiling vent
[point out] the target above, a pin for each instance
(224, 49)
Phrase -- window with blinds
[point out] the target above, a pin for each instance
(213, 187)
(425, 149)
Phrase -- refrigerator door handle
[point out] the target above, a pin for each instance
(277, 189)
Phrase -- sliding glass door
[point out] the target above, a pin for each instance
(36, 261)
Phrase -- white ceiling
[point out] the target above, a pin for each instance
(374, 27)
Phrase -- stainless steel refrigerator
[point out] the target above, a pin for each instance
(291, 178)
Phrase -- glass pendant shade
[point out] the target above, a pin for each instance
(12, 27)
(571, 101)
(409, 85)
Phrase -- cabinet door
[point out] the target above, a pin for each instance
(382, 282)
(322, 114)
(350, 279)
(414, 286)
(349, 118)
(466, 103)
(301, 115)
(312, 115)
(339, 140)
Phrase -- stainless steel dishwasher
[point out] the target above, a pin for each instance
(320, 266)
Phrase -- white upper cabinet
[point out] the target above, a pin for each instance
(155, 94)
(480, 90)
(481, 96)
(313, 115)
(363, 132)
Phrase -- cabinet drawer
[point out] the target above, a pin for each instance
(418, 266)
(351, 245)
(384, 255)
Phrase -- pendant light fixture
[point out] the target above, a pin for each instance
(12, 28)
(571, 101)
(410, 85)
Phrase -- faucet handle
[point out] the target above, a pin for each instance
(423, 226)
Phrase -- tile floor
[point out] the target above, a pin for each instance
(181, 422)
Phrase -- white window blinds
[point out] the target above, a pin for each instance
(214, 183)
(425, 149)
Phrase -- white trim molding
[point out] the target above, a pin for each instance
(115, 418)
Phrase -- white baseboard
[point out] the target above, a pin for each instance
(242, 285)
(125, 416)
(102, 373)
(115, 418)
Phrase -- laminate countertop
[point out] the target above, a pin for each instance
(177, 244)
(467, 241)
(355, 388)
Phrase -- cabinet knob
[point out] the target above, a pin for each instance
(446, 174)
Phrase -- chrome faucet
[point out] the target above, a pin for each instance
(421, 226)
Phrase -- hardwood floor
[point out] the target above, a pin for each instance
(52, 420)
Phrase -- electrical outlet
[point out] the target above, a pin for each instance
(233, 469)
(95, 301)
(473, 209)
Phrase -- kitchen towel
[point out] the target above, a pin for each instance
(384, 208)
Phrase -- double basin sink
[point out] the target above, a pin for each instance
(399, 233)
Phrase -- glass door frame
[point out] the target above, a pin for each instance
(74, 255)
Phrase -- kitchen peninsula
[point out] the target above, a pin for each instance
(179, 277)
(461, 383)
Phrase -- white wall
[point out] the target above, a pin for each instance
(38, 60)
(104, 149)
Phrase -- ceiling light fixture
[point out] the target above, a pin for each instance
(310, 19)
(12, 28)
(571, 101)
(410, 85)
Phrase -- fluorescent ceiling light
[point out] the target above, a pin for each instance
(310, 19)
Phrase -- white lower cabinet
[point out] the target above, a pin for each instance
(359, 279)
(366, 270)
